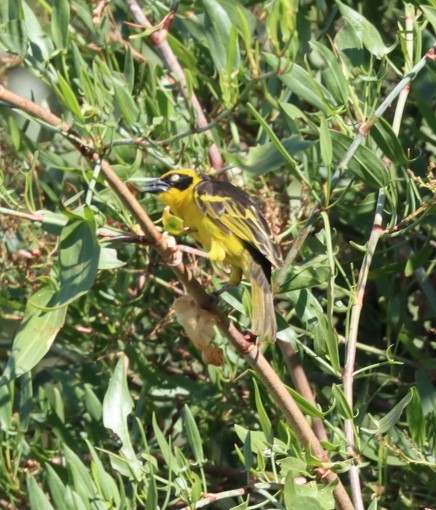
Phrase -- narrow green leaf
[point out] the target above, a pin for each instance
(193, 435)
(248, 452)
(416, 419)
(427, 392)
(126, 107)
(325, 143)
(59, 23)
(430, 14)
(366, 31)
(164, 447)
(278, 144)
(26, 400)
(265, 422)
(218, 28)
(305, 406)
(41, 46)
(299, 81)
(365, 164)
(106, 485)
(69, 97)
(37, 499)
(388, 421)
(152, 500)
(270, 156)
(333, 76)
(117, 405)
(5, 407)
(92, 403)
(37, 332)
(129, 69)
(342, 404)
(82, 481)
(332, 344)
(56, 486)
(388, 142)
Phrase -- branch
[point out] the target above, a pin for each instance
(249, 350)
(160, 42)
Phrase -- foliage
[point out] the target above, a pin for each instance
(103, 401)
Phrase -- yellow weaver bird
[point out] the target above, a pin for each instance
(231, 228)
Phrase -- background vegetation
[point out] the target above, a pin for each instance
(122, 412)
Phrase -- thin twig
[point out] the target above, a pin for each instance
(209, 499)
(159, 40)
(248, 349)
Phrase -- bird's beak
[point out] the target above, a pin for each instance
(155, 186)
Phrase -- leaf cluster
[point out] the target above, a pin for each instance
(103, 401)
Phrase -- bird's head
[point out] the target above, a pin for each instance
(174, 186)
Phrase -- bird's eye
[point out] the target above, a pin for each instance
(175, 178)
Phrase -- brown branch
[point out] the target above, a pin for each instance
(160, 42)
(249, 350)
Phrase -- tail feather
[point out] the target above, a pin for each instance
(264, 322)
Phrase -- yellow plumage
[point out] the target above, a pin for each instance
(229, 226)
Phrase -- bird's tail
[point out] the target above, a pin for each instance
(264, 322)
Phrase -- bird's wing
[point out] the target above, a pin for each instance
(232, 210)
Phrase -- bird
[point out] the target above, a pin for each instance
(230, 227)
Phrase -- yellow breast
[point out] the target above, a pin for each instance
(221, 246)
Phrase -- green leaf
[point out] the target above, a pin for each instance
(248, 452)
(125, 105)
(109, 259)
(388, 142)
(265, 422)
(333, 76)
(117, 405)
(69, 97)
(82, 481)
(416, 419)
(257, 439)
(164, 447)
(278, 144)
(38, 500)
(342, 404)
(387, 422)
(418, 259)
(364, 164)
(60, 22)
(41, 47)
(152, 499)
(40, 325)
(366, 31)
(325, 141)
(218, 29)
(103, 480)
(301, 83)
(92, 403)
(430, 14)
(305, 406)
(56, 486)
(79, 255)
(193, 435)
(308, 496)
(26, 400)
(269, 156)
(427, 392)
(5, 407)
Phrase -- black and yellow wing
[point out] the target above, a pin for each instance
(233, 211)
